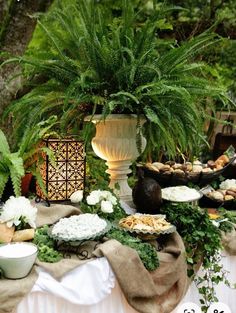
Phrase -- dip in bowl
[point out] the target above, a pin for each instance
(17, 259)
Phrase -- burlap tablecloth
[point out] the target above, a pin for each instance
(148, 292)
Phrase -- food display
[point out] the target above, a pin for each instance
(146, 223)
(172, 173)
(79, 227)
(226, 191)
(190, 167)
(180, 194)
(223, 196)
(213, 216)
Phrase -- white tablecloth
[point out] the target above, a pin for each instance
(223, 293)
(92, 288)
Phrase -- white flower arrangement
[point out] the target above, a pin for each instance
(18, 210)
(101, 202)
(102, 198)
(97, 201)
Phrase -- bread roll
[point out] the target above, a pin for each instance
(158, 165)
(232, 193)
(6, 233)
(165, 168)
(219, 163)
(218, 167)
(189, 166)
(223, 158)
(177, 166)
(152, 167)
(228, 197)
(216, 195)
(179, 171)
(197, 162)
(211, 164)
(23, 235)
(197, 168)
(222, 191)
(207, 170)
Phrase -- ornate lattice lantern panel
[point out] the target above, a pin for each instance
(69, 174)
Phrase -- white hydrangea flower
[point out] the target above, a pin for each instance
(94, 197)
(112, 199)
(16, 208)
(76, 196)
(107, 195)
(104, 199)
(106, 206)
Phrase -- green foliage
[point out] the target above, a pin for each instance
(6, 13)
(46, 246)
(96, 176)
(146, 252)
(198, 15)
(103, 63)
(196, 229)
(228, 225)
(11, 166)
(116, 215)
(26, 156)
(203, 244)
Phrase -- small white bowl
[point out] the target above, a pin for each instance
(17, 259)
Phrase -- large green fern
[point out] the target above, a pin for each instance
(28, 153)
(104, 64)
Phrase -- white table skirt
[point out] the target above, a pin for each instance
(92, 288)
(223, 293)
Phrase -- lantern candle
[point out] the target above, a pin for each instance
(68, 175)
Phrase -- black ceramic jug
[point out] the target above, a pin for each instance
(147, 194)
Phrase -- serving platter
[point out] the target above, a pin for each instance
(148, 234)
(78, 228)
(181, 194)
(207, 201)
(77, 240)
(173, 178)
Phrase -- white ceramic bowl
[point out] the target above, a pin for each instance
(17, 259)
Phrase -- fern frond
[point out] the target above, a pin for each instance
(36, 173)
(3, 180)
(17, 171)
(100, 63)
(4, 146)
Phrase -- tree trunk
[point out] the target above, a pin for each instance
(16, 30)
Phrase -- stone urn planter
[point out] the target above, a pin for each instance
(115, 142)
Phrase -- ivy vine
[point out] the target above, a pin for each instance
(203, 246)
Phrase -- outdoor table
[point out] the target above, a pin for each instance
(93, 288)
(96, 285)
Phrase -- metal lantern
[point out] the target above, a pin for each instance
(69, 174)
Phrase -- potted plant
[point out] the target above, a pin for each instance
(105, 64)
(16, 166)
